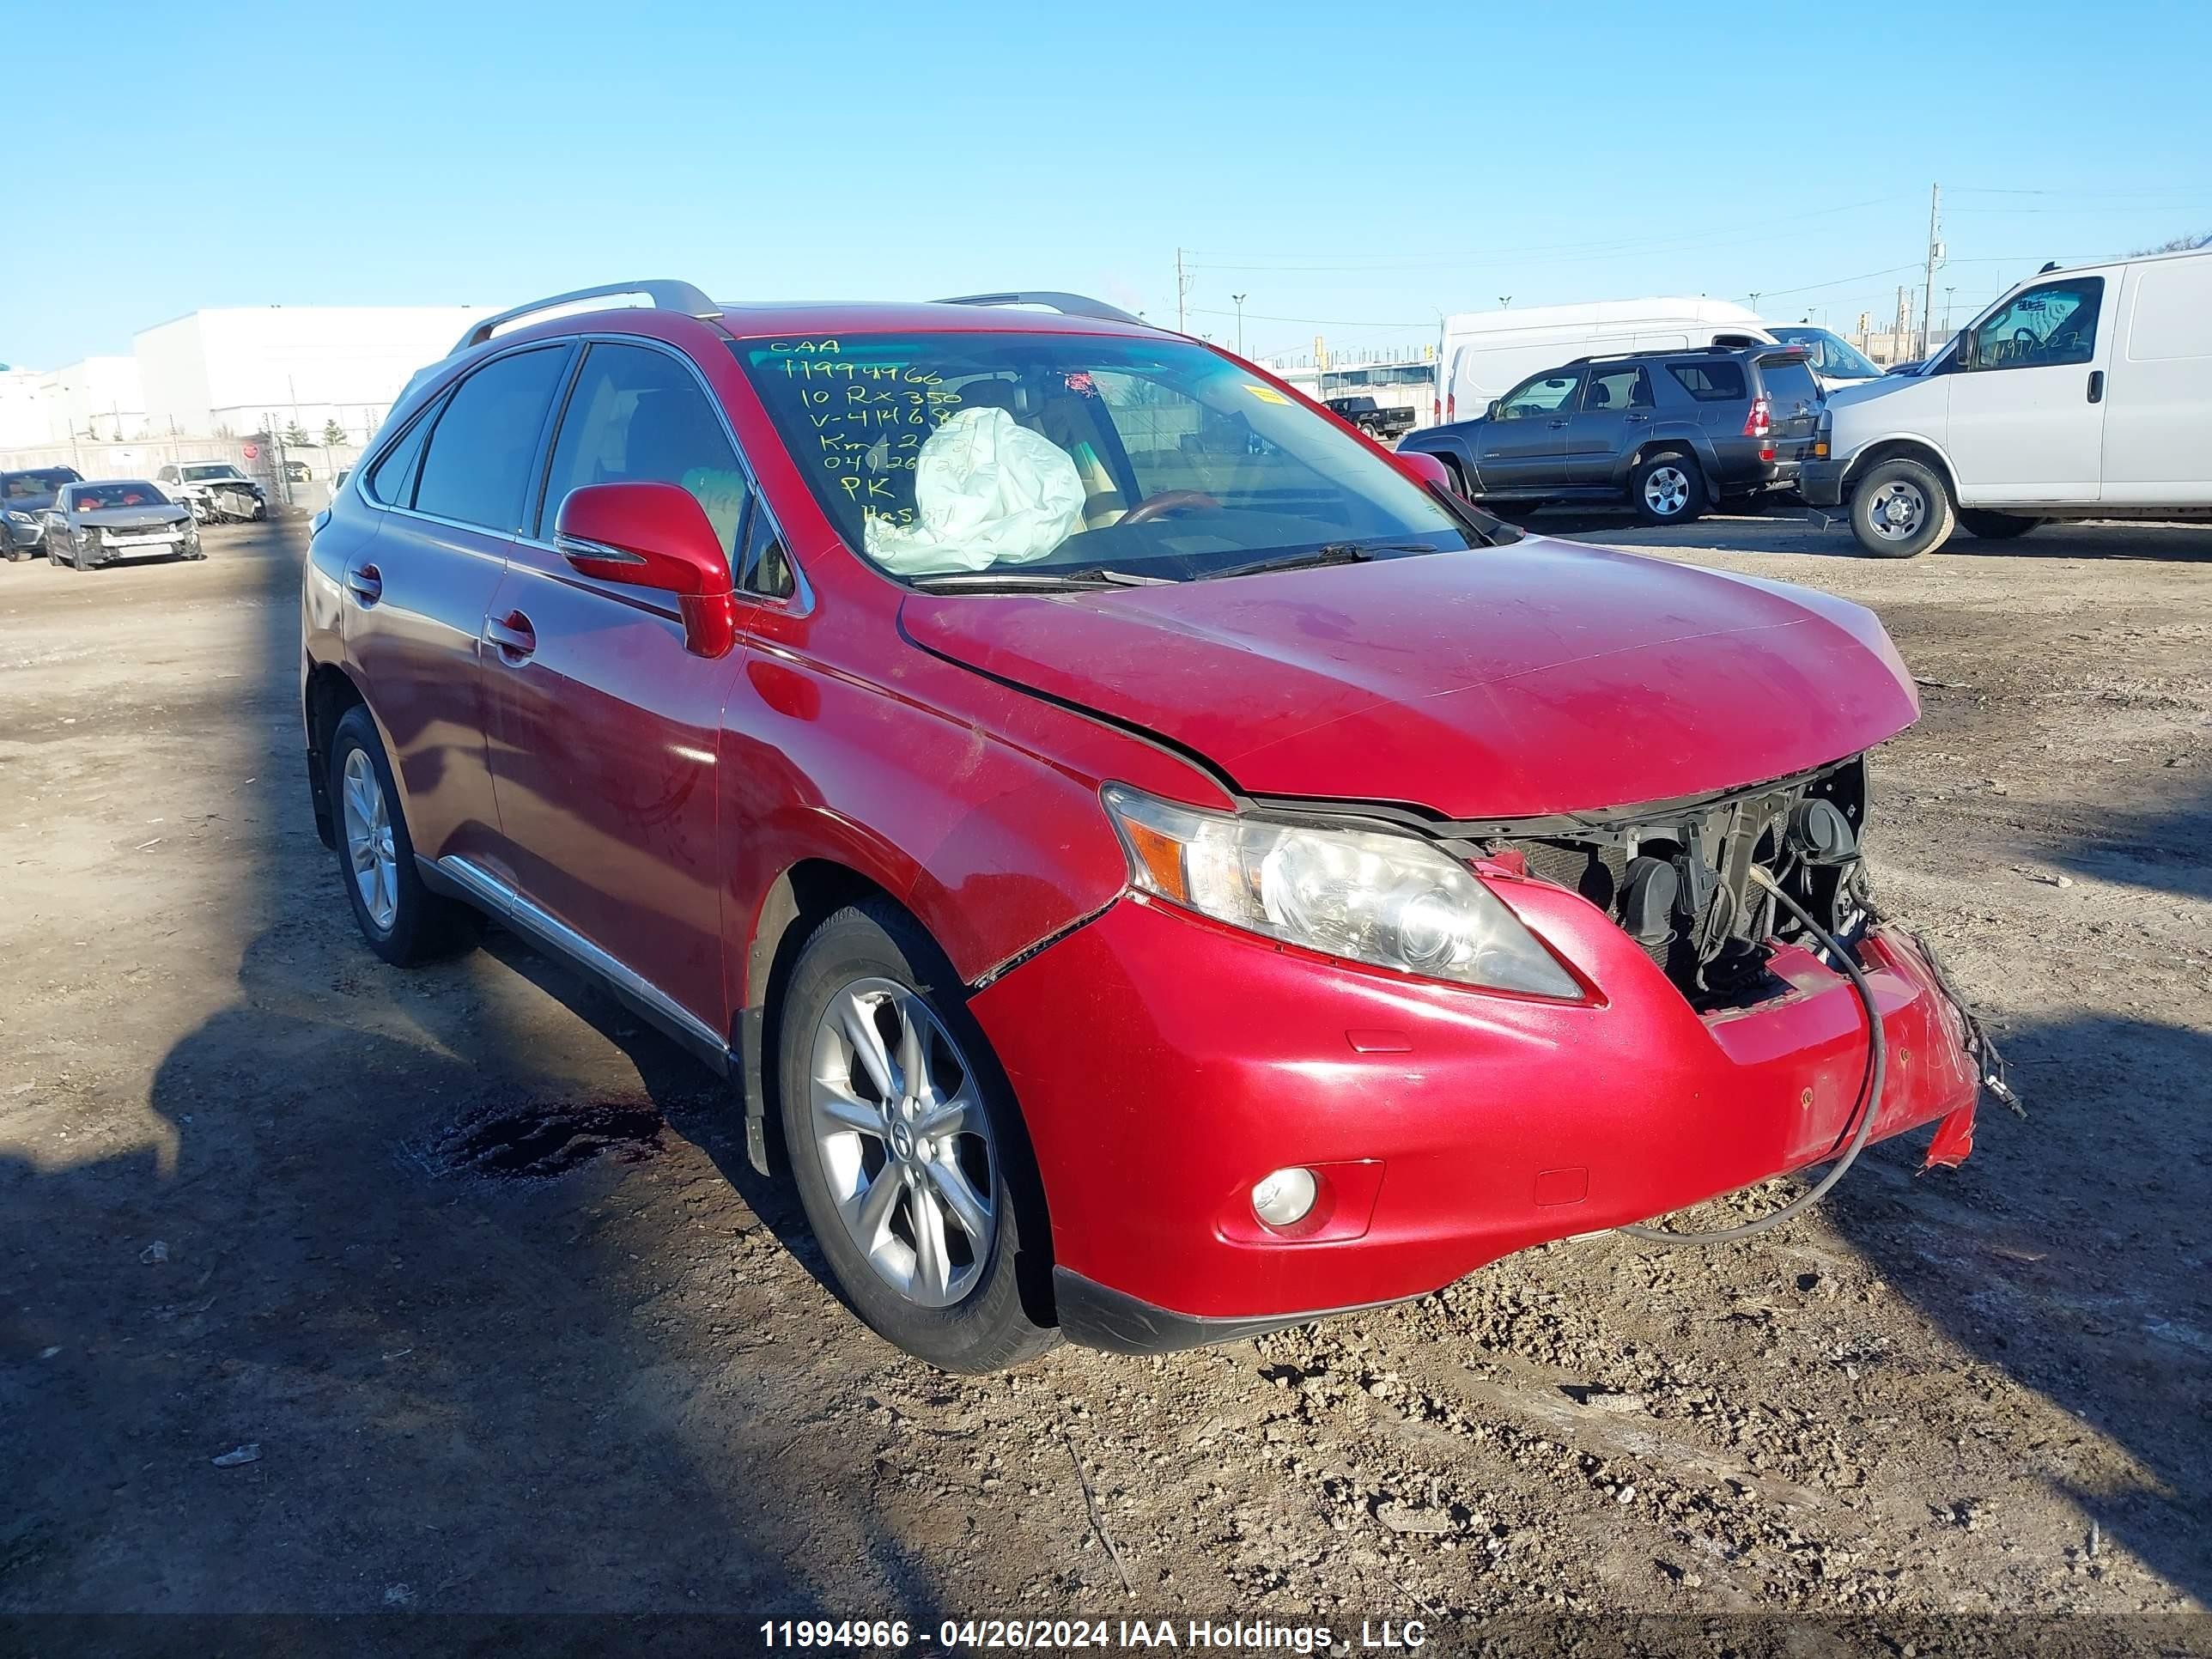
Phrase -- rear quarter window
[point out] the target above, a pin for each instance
(1715, 382)
(1789, 383)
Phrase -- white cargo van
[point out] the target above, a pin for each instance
(2081, 394)
(1483, 355)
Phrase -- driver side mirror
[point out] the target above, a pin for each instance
(1496, 410)
(656, 536)
(1424, 469)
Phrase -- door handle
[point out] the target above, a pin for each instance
(366, 583)
(515, 636)
(2096, 385)
(1637, 419)
(1562, 420)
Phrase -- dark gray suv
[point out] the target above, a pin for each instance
(1671, 433)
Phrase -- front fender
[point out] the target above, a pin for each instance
(973, 804)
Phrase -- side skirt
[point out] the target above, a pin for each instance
(457, 878)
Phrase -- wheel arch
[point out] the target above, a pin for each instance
(1901, 446)
(327, 692)
(803, 896)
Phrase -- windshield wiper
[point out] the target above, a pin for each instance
(1328, 553)
(954, 581)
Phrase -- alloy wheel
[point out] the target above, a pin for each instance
(904, 1141)
(370, 848)
(1898, 511)
(1667, 490)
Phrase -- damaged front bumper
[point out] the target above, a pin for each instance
(1446, 1129)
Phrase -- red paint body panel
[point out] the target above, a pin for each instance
(604, 746)
(1536, 678)
(652, 799)
(1244, 1068)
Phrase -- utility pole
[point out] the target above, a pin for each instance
(1239, 298)
(1935, 253)
(1183, 294)
(1948, 292)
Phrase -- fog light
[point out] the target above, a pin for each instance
(1283, 1198)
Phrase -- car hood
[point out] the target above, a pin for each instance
(29, 503)
(1539, 676)
(1860, 392)
(123, 518)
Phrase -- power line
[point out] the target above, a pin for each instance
(1519, 253)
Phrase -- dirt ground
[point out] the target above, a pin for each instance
(241, 1207)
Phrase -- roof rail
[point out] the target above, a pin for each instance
(665, 294)
(1689, 351)
(1071, 304)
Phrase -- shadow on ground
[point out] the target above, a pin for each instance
(2072, 1253)
(318, 1364)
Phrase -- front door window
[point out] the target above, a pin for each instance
(2051, 324)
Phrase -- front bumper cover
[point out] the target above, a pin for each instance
(1467, 1126)
(1821, 483)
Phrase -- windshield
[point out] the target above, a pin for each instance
(34, 486)
(1832, 355)
(129, 492)
(996, 452)
(202, 474)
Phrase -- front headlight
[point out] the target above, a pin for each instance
(1394, 901)
(18, 518)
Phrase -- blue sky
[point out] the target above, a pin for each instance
(1352, 170)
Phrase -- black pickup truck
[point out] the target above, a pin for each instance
(1378, 421)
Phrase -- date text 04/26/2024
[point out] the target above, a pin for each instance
(1052, 1635)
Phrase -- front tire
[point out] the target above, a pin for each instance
(1902, 508)
(404, 921)
(1994, 527)
(909, 1151)
(1667, 489)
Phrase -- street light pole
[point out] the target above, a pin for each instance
(1239, 298)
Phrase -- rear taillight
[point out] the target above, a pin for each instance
(1761, 421)
(1436, 409)
(1451, 407)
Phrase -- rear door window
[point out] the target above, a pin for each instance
(1611, 390)
(392, 480)
(476, 468)
(637, 416)
(1716, 381)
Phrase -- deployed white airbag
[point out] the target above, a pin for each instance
(987, 490)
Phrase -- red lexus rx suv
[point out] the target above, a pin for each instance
(1155, 865)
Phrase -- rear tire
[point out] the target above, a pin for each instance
(404, 921)
(885, 1201)
(1902, 508)
(1994, 527)
(1668, 488)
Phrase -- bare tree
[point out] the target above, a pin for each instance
(2177, 244)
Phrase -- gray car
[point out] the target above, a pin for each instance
(1669, 433)
(26, 497)
(96, 524)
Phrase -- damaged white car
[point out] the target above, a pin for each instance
(217, 491)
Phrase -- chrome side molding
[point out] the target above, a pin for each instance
(648, 1000)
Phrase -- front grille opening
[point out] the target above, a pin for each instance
(1678, 882)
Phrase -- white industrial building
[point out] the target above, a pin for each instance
(241, 369)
